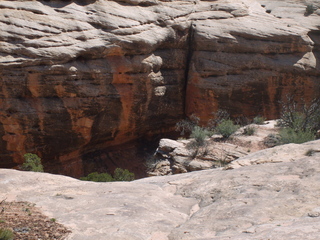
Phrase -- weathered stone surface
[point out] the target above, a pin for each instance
(265, 201)
(284, 153)
(78, 78)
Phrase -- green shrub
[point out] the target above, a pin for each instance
(6, 234)
(289, 135)
(219, 116)
(187, 125)
(226, 128)
(151, 162)
(199, 134)
(249, 130)
(272, 140)
(258, 120)
(300, 117)
(300, 121)
(119, 175)
(32, 163)
(309, 9)
(98, 177)
(123, 175)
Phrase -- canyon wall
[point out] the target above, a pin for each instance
(248, 64)
(81, 81)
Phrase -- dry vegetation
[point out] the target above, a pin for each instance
(28, 223)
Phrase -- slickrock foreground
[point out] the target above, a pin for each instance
(276, 200)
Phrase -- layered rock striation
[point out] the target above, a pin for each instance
(78, 77)
(250, 59)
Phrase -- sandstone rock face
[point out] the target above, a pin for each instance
(265, 201)
(78, 77)
(246, 66)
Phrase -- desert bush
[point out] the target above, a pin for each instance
(309, 9)
(199, 134)
(300, 117)
(151, 162)
(299, 121)
(119, 175)
(219, 116)
(249, 130)
(6, 234)
(242, 121)
(187, 125)
(226, 128)
(272, 140)
(258, 120)
(32, 163)
(123, 175)
(290, 135)
(98, 177)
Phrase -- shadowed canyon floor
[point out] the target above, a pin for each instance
(275, 200)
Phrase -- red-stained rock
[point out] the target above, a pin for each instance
(80, 79)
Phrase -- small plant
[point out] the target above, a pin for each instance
(289, 135)
(123, 175)
(242, 121)
(6, 234)
(32, 163)
(310, 152)
(223, 158)
(26, 209)
(53, 220)
(2, 221)
(226, 128)
(272, 140)
(309, 9)
(258, 120)
(98, 177)
(219, 116)
(151, 162)
(249, 131)
(199, 134)
(187, 125)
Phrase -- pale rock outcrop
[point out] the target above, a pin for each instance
(265, 201)
(78, 78)
(284, 153)
(181, 156)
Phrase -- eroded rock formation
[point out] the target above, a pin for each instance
(78, 77)
(183, 155)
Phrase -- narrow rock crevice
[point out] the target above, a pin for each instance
(190, 50)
